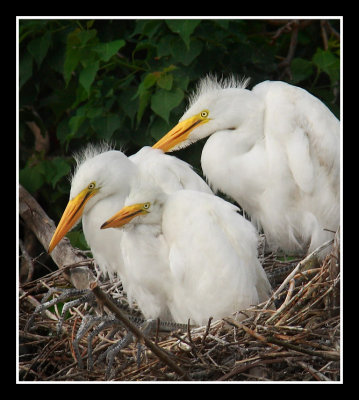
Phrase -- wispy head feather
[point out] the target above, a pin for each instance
(89, 151)
(212, 83)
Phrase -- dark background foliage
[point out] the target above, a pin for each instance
(126, 81)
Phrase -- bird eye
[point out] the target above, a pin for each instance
(91, 185)
(204, 114)
(146, 206)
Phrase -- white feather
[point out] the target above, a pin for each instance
(114, 174)
(207, 252)
(275, 150)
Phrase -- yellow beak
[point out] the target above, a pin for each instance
(179, 133)
(72, 213)
(124, 216)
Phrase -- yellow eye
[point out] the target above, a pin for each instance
(146, 206)
(204, 114)
(91, 186)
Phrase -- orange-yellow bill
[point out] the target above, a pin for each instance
(179, 133)
(124, 216)
(71, 215)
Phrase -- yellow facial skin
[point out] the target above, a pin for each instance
(125, 215)
(72, 213)
(181, 131)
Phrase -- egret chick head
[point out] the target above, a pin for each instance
(144, 206)
(102, 175)
(153, 200)
(216, 105)
(97, 176)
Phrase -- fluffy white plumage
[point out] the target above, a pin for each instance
(100, 184)
(196, 252)
(274, 149)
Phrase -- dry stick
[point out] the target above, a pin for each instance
(316, 374)
(293, 304)
(241, 368)
(193, 346)
(297, 269)
(206, 333)
(307, 260)
(310, 305)
(254, 334)
(59, 373)
(303, 294)
(104, 300)
(288, 297)
(329, 355)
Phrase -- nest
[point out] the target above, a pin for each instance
(297, 341)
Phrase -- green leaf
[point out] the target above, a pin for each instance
(94, 111)
(222, 23)
(184, 55)
(38, 47)
(181, 79)
(75, 123)
(159, 128)
(31, 177)
(149, 80)
(128, 105)
(90, 23)
(104, 126)
(87, 75)
(328, 63)
(164, 45)
(81, 95)
(146, 27)
(107, 50)
(25, 68)
(72, 58)
(61, 168)
(143, 102)
(62, 131)
(163, 102)
(77, 239)
(76, 50)
(301, 69)
(165, 81)
(183, 27)
(53, 170)
(82, 37)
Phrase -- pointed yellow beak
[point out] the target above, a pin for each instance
(179, 133)
(124, 216)
(72, 213)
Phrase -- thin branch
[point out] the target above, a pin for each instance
(329, 355)
(306, 263)
(103, 299)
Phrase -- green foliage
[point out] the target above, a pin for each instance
(127, 81)
(77, 239)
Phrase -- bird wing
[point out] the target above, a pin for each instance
(304, 129)
(213, 256)
(145, 257)
(168, 172)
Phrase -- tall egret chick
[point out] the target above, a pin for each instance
(209, 249)
(274, 149)
(100, 184)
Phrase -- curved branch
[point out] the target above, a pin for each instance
(44, 227)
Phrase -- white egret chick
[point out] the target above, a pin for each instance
(100, 184)
(275, 150)
(207, 250)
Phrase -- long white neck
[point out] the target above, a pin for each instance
(230, 161)
(102, 241)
